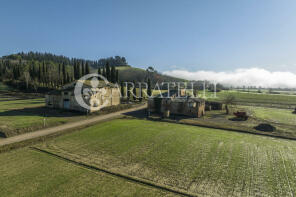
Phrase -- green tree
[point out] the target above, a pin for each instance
(64, 74)
(122, 89)
(108, 72)
(134, 91)
(117, 76)
(113, 74)
(99, 71)
(128, 91)
(149, 91)
(87, 68)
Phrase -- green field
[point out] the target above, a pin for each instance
(29, 173)
(17, 115)
(199, 160)
(281, 116)
(281, 100)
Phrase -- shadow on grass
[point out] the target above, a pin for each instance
(142, 113)
(40, 111)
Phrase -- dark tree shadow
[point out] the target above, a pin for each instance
(40, 111)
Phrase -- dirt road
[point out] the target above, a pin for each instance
(72, 125)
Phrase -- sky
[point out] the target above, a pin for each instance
(213, 36)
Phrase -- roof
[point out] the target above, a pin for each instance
(181, 99)
(86, 83)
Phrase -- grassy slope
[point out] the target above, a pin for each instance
(29, 173)
(200, 160)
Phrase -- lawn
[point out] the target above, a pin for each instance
(26, 172)
(204, 161)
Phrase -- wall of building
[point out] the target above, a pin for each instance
(66, 100)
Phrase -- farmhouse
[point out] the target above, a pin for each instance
(178, 105)
(103, 95)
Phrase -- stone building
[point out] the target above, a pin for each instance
(214, 105)
(93, 97)
(181, 105)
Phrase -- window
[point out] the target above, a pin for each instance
(191, 104)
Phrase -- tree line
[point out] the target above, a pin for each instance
(44, 72)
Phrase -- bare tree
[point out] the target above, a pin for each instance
(229, 100)
(27, 78)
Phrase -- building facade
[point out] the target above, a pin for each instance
(181, 105)
(65, 98)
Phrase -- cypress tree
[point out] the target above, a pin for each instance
(128, 91)
(122, 89)
(64, 74)
(99, 71)
(39, 74)
(134, 91)
(82, 69)
(87, 68)
(149, 92)
(117, 76)
(108, 74)
(104, 72)
(43, 73)
(113, 77)
(140, 93)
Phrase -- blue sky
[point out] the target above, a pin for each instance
(167, 34)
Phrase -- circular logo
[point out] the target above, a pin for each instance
(89, 94)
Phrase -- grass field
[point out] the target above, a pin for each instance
(281, 116)
(281, 100)
(28, 114)
(29, 173)
(204, 161)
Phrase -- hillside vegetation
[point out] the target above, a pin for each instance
(41, 72)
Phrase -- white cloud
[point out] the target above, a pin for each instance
(239, 77)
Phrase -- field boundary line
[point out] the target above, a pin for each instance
(122, 176)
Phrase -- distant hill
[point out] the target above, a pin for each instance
(129, 73)
(37, 72)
